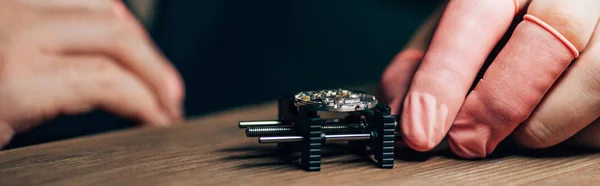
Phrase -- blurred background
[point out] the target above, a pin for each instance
(237, 52)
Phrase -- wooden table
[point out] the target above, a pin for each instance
(212, 150)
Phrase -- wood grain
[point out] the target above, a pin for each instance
(211, 150)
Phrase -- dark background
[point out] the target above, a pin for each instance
(239, 52)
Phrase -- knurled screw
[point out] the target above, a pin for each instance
(270, 131)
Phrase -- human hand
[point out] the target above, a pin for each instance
(71, 56)
(529, 90)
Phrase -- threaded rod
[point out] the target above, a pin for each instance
(289, 130)
(270, 131)
(340, 137)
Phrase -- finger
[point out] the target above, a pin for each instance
(115, 38)
(110, 87)
(553, 121)
(174, 80)
(77, 84)
(396, 78)
(539, 50)
(467, 32)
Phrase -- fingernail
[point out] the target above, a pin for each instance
(424, 121)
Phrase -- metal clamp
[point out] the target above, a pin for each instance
(372, 126)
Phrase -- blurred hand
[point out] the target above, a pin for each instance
(533, 89)
(72, 56)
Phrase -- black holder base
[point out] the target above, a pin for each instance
(308, 124)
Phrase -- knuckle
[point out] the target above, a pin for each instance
(452, 76)
(504, 111)
(100, 70)
(120, 35)
(104, 72)
(445, 74)
(112, 82)
(534, 135)
(565, 19)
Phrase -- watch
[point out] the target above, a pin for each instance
(336, 100)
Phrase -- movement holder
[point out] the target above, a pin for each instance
(301, 126)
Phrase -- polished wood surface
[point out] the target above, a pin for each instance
(212, 150)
